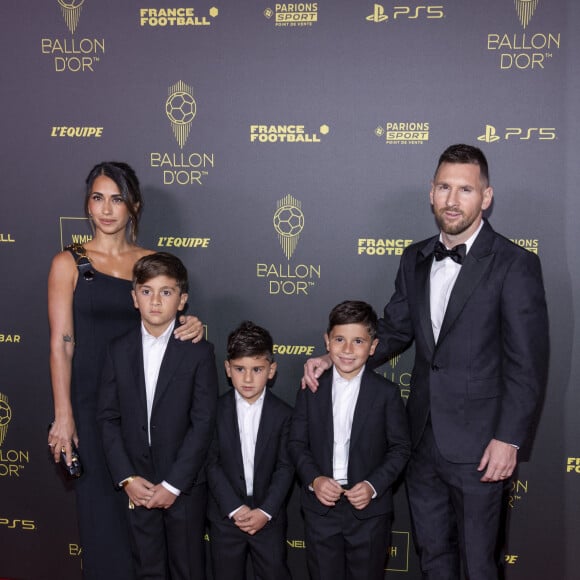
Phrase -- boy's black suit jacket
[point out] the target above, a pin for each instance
(182, 418)
(273, 470)
(379, 442)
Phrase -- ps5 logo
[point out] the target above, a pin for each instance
(410, 12)
(518, 133)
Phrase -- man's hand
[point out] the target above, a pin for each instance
(139, 490)
(313, 368)
(327, 490)
(251, 521)
(359, 495)
(191, 329)
(160, 498)
(499, 461)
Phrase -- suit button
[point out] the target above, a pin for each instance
(241, 478)
(434, 368)
(144, 428)
(145, 456)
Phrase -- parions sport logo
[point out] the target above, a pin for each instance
(182, 168)
(527, 50)
(73, 54)
(530, 244)
(12, 461)
(293, 14)
(404, 132)
(288, 279)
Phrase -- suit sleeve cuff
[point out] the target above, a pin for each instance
(234, 512)
(373, 488)
(170, 488)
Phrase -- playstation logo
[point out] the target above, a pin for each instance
(490, 135)
(378, 14)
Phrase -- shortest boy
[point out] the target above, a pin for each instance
(157, 411)
(249, 471)
(349, 442)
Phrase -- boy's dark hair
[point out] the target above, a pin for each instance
(160, 264)
(249, 339)
(353, 312)
(461, 153)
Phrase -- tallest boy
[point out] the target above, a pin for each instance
(473, 302)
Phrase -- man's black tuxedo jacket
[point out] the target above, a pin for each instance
(273, 470)
(379, 441)
(484, 377)
(182, 417)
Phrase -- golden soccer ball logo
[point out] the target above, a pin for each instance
(5, 416)
(288, 223)
(180, 108)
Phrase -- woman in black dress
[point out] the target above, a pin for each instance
(89, 303)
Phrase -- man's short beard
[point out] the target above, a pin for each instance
(455, 229)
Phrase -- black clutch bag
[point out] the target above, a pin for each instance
(75, 469)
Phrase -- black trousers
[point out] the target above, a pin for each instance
(456, 517)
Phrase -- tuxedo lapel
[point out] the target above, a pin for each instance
(170, 363)
(135, 363)
(231, 430)
(361, 411)
(474, 267)
(323, 401)
(423, 286)
(264, 429)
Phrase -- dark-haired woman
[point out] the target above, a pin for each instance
(89, 303)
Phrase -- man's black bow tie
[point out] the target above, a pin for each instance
(456, 254)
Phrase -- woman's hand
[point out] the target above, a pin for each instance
(60, 436)
(191, 329)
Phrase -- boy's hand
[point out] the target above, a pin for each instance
(241, 513)
(191, 329)
(359, 495)
(327, 490)
(160, 498)
(313, 368)
(251, 521)
(139, 490)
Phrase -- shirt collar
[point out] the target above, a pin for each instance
(164, 337)
(338, 380)
(240, 400)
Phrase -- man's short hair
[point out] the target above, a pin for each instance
(353, 312)
(160, 264)
(461, 153)
(249, 339)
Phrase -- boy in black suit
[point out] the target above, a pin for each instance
(249, 471)
(349, 442)
(157, 411)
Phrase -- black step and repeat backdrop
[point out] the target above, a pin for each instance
(285, 152)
